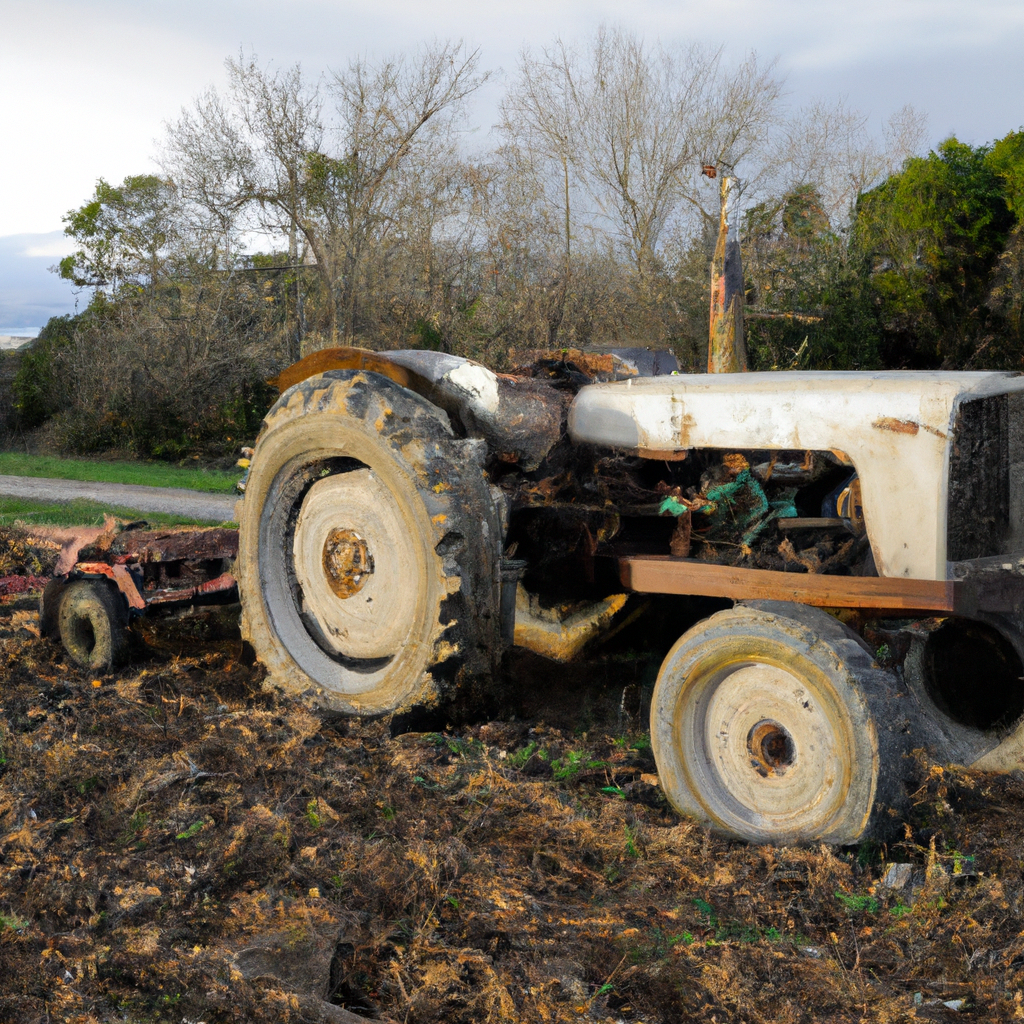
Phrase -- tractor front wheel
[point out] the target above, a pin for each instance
(772, 723)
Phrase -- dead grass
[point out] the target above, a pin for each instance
(179, 844)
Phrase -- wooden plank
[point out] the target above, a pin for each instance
(811, 523)
(663, 574)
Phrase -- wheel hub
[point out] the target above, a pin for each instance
(771, 748)
(347, 562)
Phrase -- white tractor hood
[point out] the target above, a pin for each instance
(894, 427)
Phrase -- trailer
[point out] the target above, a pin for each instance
(114, 575)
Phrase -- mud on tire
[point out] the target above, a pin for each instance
(369, 547)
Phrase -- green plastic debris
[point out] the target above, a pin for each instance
(673, 506)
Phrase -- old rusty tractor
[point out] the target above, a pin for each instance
(407, 510)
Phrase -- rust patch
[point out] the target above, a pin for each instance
(896, 426)
(120, 576)
(594, 364)
(175, 545)
(686, 424)
(345, 358)
(661, 454)
(346, 562)
(71, 541)
(220, 585)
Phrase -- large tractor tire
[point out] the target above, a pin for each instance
(369, 548)
(773, 724)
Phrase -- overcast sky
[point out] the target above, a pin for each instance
(88, 84)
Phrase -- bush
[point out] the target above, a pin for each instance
(39, 387)
(149, 375)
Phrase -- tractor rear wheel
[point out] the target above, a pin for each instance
(773, 724)
(369, 547)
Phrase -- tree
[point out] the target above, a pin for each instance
(1006, 298)
(125, 235)
(635, 122)
(334, 178)
(931, 235)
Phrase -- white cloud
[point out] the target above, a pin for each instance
(96, 79)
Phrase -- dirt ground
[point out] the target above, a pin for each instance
(179, 843)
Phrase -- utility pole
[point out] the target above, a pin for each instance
(727, 347)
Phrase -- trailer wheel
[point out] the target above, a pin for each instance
(772, 723)
(49, 607)
(368, 547)
(93, 623)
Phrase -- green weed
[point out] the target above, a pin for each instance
(135, 827)
(631, 847)
(192, 831)
(519, 758)
(456, 744)
(707, 912)
(573, 764)
(87, 785)
(312, 818)
(855, 904)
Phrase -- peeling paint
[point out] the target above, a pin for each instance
(479, 383)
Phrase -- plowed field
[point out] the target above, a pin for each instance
(180, 843)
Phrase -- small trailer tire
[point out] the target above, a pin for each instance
(773, 724)
(93, 622)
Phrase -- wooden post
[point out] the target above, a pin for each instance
(727, 348)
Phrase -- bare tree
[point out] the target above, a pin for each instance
(539, 116)
(323, 162)
(636, 121)
(242, 159)
(395, 121)
(829, 147)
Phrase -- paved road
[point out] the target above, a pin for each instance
(171, 500)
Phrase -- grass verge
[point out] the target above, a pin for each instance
(81, 512)
(150, 474)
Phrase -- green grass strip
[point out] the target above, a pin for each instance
(150, 474)
(81, 512)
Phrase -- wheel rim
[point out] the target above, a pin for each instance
(351, 553)
(766, 749)
(334, 525)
